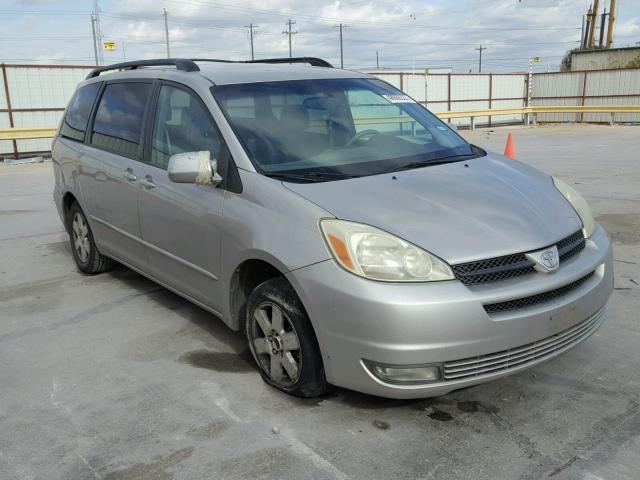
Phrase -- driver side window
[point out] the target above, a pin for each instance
(182, 124)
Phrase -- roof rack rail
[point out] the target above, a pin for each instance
(184, 64)
(313, 61)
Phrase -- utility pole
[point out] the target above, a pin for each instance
(290, 32)
(480, 49)
(612, 12)
(377, 61)
(341, 26)
(166, 31)
(95, 40)
(251, 28)
(98, 31)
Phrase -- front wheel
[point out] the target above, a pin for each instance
(282, 340)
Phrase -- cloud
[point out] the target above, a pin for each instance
(429, 33)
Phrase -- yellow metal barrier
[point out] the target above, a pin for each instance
(33, 133)
(26, 133)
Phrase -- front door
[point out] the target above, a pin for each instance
(180, 223)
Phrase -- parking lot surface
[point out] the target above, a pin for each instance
(112, 377)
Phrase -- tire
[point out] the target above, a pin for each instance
(87, 256)
(279, 340)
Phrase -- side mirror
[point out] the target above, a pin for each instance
(193, 167)
(452, 126)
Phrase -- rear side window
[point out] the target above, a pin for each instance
(118, 122)
(76, 118)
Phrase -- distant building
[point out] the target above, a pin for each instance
(599, 59)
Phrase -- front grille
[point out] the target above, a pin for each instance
(520, 356)
(509, 266)
(571, 245)
(536, 299)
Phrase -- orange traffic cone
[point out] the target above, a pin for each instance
(508, 150)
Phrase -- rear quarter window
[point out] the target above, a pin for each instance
(76, 118)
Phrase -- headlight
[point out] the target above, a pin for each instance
(579, 204)
(378, 255)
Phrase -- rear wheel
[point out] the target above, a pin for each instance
(85, 252)
(282, 340)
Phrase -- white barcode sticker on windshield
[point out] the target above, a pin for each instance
(399, 99)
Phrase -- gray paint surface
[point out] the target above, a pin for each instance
(113, 377)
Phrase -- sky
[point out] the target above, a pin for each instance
(406, 34)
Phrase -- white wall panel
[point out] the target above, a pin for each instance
(508, 86)
(43, 87)
(466, 87)
(414, 86)
(3, 100)
(437, 88)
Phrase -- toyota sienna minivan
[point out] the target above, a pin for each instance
(353, 237)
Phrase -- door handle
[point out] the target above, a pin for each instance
(129, 175)
(147, 183)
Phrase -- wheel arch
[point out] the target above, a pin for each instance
(68, 199)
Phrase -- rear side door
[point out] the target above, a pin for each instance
(180, 223)
(112, 169)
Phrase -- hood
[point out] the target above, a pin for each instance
(462, 211)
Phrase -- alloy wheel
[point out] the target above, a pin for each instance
(275, 344)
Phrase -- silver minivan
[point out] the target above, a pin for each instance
(354, 238)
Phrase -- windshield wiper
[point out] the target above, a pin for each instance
(309, 176)
(434, 161)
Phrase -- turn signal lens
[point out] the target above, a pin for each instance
(373, 253)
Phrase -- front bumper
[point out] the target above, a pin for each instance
(444, 323)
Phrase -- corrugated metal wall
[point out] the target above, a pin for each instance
(39, 94)
(595, 87)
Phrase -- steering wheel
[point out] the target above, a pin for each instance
(370, 133)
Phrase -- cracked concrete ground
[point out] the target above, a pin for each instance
(112, 377)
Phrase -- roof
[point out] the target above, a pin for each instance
(221, 72)
(228, 73)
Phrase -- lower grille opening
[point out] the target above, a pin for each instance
(483, 365)
(536, 299)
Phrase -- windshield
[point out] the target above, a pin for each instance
(336, 128)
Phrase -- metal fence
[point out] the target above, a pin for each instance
(36, 95)
(476, 91)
